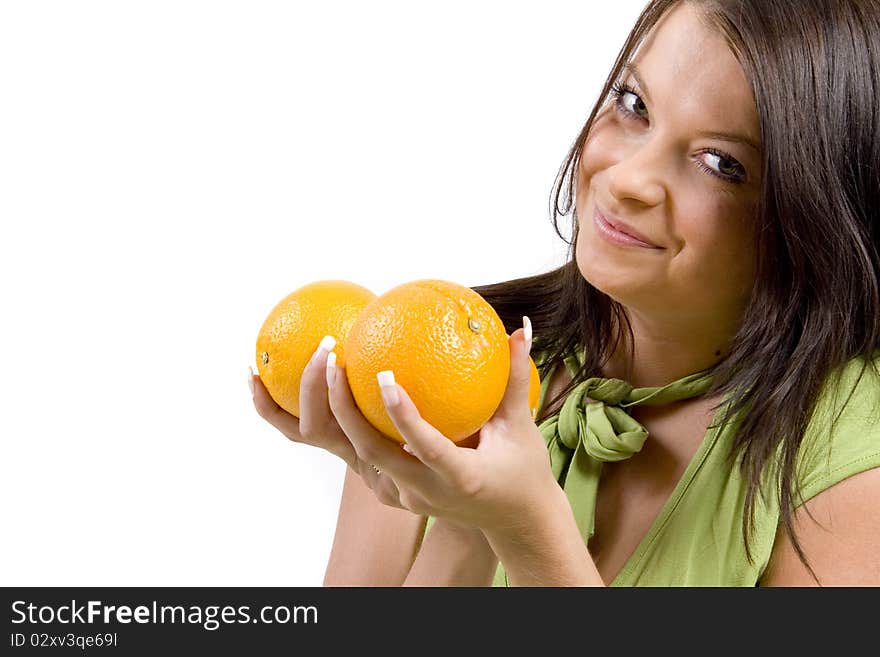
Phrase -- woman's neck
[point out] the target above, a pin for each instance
(666, 349)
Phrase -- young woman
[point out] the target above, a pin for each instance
(710, 401)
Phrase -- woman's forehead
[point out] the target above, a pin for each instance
(689, 68)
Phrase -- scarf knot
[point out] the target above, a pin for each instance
(593, 427)
(592, 417)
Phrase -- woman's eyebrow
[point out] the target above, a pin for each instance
(723, 136)
(633, 69)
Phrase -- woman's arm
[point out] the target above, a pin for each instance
(374, 544)
(548, 551)
(453, 555)
(379, 545)
(839, 540)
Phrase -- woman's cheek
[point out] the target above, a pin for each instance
(600, 145)
(598, 153)
(725, 244)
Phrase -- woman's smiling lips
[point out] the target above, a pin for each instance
(619, 233)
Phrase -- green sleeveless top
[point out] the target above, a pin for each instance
(696, 539)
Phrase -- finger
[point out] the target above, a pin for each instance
(423, 440)
(515, 402)
(314, 408)
(316, 422)
(327, 434)
(369, 443)
(272, 412)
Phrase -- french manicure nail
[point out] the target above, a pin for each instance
(388, 387)
(251, 379)
(327, 343)
(331, 369)
(527, 329)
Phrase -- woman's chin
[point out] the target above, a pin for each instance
(609, 285)
(614, 279)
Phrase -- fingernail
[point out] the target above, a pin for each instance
(388, 387)
(331, 368)
(527, 329)
(407, 448)
(327, 343)
(251, 379)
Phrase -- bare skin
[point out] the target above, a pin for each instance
(839, 539)
(632, 492)
(684, 299)
(376, 543)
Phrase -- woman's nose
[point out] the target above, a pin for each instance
(640, 174)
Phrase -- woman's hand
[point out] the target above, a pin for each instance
(316, 425)
(502, 485)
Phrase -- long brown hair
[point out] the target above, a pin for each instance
(815, 75)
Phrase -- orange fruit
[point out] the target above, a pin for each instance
(447, 348)
(534, 388)
(293, 329)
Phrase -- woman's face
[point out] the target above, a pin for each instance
(654, 160)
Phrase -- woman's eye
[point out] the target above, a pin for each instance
(631, 106)
(628, 102)
(725, 167)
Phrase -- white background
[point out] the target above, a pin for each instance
(171, 170)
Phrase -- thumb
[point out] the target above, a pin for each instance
(516, 397)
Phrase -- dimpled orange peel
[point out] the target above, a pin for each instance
(534, 388)
(294, 328)
(447, 348)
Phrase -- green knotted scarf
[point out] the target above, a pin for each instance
(593, 428)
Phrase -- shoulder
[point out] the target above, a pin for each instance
(843, 435)
(838, 473)
(837, 531)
